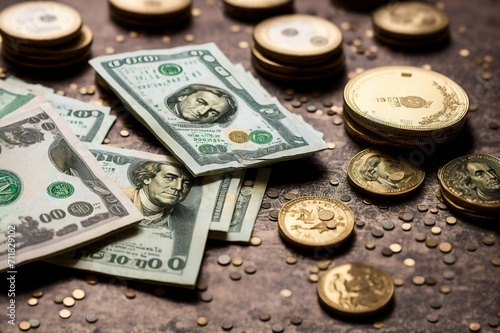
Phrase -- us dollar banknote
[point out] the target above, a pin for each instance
(168, 245)
(14, 98)
(53, 194)
(247, 208)
(209, 115)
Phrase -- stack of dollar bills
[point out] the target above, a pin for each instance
(69, 200)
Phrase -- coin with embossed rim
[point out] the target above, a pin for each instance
(315, 221)
(379, 172)
(472, 182)
(298, 39)
(405, 100)
(40, 23)
(410, 20)
(355, 289)
(468, 214)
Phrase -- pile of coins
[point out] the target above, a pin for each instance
(381, 174)
(44, 35)
(256, 10)
(411, 25)
(150, 14)
(297, 48)
(470, 186)
(403, 106)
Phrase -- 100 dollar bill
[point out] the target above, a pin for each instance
(204, 111)
(53, 194)
(166, 247)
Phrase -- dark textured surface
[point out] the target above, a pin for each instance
(475, 288)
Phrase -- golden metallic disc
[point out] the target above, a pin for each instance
(355, 289)
(411, 18)
(468, 214)
(257, 4)
(362, 135)
(472, 182)
(302, 222)
(378, 172)
(40, 22)
(406, 100)
(151, 7)
(297, 38)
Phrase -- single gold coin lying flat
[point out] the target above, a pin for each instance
(355, 289)
(296, 38)
(256, 4)
(314, 221)
(151, 7)
(472, 182)
(378, 172)
(405, 100)
(411, 18)
(40, 22)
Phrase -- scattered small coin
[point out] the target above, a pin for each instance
(409, 262)
(359, 223)
(451, 220)
(445, 247)
(34, 323)
(449, 275)
(474, 327)
(124, 133)
(314, 269)
(441, 206)
(227, 325)
(273, 215)
(237, 261)
(224, 260)
(495, 261)
(449, 259)
(432, 318)
(370, 245)
(430, 281)
(92, 279)
(201, 286)
(334, 182)
(396, 248)
(471, 246)
(291, 260)
(130, 294)
(296, 320)
(69, 301)
(489, 240)
(277, 328)
(265, 205)
(235, 276)
(377, 233)
(493, 321)
(422, 208)
(435, 304)
(264, 316)
(313, 278)
(323, 264)
(286, 292)
(250, 269)
(436, 230)
(431, 242)
(202, 321)
(388, 225)
(33, 301)
(255, 241)
(398, 282)
(24, 325)
(378, 324)
(64, 313)
(406, 226)
(273, 194)
(91, 317)
(206, 296)
(37, 293)
(418, 280)
(420, 237)
(429, 221)
(58, 299)
(387, 252)
(345, 198)
(78, 294)
(445, 289)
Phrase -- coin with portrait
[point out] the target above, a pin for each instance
(379, 172)
(355, 289)
(472, 182)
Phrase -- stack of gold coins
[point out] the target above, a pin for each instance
(44, 35)
(297, 48)
(150, 14)
(404, 106)
(256, 10)
(313, 222)
(355, 290)
(381, 173)
(411, 24)
(470, 186)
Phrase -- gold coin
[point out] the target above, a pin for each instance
(406, 101)
(412, 19)
(256, 4)
(299, 222)
(472, 182)
(69, 301)
(355, 289)
(239, 137)
(65, 313)
(40, 22)
(298, 39)
(255, 241)
(150, 7)
(78, 294)
(24, 325)
(33, 301)
(37, 293)
(372, 172)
